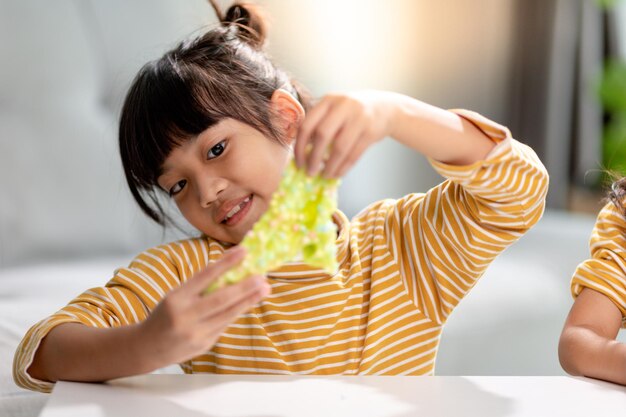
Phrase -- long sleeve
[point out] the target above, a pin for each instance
(126, 299)
(445, 239)
(605, 271)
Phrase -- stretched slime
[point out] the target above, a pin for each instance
(297, 224)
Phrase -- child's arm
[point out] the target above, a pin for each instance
(76, 352)
(183, 324)
(443, 240)
(587, 346)
(349, 124)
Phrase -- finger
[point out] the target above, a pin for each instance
(212, 327)
(306, 128)
(230, 295)
(325, 133)
(200, 281)
(342, 148)
(352, 158)
(220, 321)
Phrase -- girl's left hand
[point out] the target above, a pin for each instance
(339, 128)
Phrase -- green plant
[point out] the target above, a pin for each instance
(607, 3)
(612, 93)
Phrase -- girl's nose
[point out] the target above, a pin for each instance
(209, 189)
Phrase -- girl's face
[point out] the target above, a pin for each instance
(222, 181)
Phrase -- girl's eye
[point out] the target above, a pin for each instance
(178, 187)
(217, 150)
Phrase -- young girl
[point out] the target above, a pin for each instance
(212, 124)
(587, 345)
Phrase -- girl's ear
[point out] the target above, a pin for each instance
(289, 114)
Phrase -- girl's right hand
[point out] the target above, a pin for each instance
(187, 323)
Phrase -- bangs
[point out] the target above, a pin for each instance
(173, 104)
(163, 116)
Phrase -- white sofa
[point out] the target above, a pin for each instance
(66, 220)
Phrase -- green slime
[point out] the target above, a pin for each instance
(297, 224)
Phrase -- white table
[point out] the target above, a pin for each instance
(345, 396)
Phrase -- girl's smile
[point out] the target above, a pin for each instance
(231, 216)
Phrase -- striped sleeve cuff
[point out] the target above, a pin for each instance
(25, 353)
(464, 174)
(605, 272)
(604, 277)
(508, 188)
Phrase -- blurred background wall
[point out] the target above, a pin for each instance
(451, 54)
(528, 64)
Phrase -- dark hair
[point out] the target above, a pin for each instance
(617, 193)
(222, 73)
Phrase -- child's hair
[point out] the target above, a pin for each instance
(617, 194)
(222, 73)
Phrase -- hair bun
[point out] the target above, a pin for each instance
(250, 23)
(237, 14)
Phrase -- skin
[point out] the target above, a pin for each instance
(186, 324)
(587, 346)
(229, 161)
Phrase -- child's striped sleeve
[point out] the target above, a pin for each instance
(126, 299)
(445, 239)
(605, 272)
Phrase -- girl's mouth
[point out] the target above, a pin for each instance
(235, 215)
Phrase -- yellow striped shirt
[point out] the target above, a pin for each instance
(605, 272)
(403, 267)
